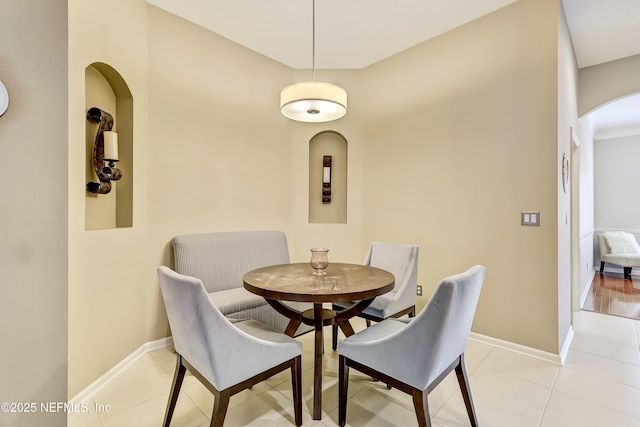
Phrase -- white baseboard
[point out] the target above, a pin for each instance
(90, 390)
(518, 348)
(565, 346)
(587, 288)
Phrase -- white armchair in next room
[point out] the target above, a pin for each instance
(619, 248)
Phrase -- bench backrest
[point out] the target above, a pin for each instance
(220, 260)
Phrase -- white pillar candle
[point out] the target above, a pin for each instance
(110, 145)
(326, 175)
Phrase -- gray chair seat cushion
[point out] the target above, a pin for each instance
(263, 332)
(417, 352)
(234, 300)
(374, 332)
(378, 308)
(414, 357)
(225, 354)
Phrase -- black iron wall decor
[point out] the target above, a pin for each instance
(326, 179)
(103, 163)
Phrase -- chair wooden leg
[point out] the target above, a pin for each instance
(178, 377)
(421, 405)
(220, 406)
(296, 380)
(463, 381)
(368, 322)
(343, 386)
(334, 336)
(601, 267)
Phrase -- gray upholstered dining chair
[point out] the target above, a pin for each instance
(226, 357)
(415, 356)
(402, 262)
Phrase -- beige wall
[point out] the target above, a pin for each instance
(460, 135)
(475, 145)
(111, 293)
(33, 210)
(344, 240)
(212, 153)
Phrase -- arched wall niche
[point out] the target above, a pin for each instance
(106, 89)
(328, 208)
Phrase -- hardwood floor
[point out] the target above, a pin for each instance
(611, 293)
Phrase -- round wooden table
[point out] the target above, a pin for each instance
(296, 282)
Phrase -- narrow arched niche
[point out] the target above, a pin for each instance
(106, 89)
(334, 210)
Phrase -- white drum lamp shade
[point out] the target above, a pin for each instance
(313, 102)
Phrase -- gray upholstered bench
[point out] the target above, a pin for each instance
(220, 260)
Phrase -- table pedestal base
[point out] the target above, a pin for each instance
(318, 317)
(309, 316)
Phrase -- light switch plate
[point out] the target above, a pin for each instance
(530, 218)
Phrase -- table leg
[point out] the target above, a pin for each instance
(346, 328)
(292, 327)
(317, 362)
(294, 315)
(342, 317)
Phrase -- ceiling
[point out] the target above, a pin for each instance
(357, 33)
(349, 34)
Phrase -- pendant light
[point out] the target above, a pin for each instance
(313, 101)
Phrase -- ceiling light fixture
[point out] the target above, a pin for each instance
(313, 101)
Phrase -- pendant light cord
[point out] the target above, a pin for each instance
(313, 40)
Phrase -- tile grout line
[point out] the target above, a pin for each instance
(610, 358)
(551, 391)
(104, 416)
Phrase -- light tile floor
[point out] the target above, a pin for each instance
(598, 385)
